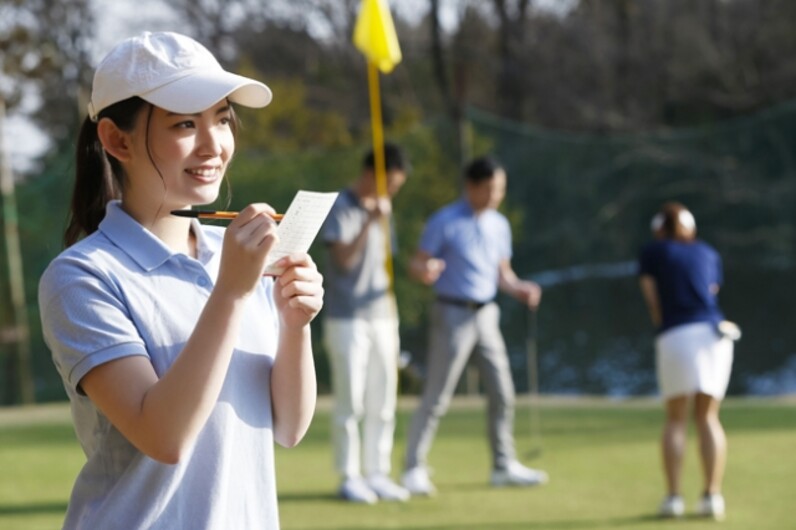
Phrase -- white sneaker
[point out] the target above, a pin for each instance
(672, 506)
(417, 481)
(355, 489)
(386, 489)
(517, 474)
(711, 505)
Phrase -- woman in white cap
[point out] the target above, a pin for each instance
(182, 362)
(680, 278)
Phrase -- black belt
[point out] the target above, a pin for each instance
(469, 304)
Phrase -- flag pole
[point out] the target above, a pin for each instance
(377, 129)
(374, 35)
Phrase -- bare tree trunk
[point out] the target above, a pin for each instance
(18, 333)
(621, 83)
(454, 98)
(438, 59)
(511, 78)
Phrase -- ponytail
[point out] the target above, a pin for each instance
(98, 178)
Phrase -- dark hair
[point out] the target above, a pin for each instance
(98, 177)
(481, 169)
(394, 159)
(668, 222)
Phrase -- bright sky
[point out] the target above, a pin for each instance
(29, 142)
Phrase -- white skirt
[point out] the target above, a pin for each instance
(691, 359)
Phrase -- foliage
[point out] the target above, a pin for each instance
(599, 111)
(43, 203)
(291, 125)
(44, 48)
(619, 65)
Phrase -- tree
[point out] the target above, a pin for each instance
(44, 60)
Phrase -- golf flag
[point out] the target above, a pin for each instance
(374, 35)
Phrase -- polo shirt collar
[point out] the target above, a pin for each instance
(465, 208)
(140, 244)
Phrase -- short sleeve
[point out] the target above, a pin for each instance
(432, 240)
(344, 222)
(505, 240)
(332, 229)
(646, 261)
(85, 321)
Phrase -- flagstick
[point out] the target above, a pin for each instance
(378, 158)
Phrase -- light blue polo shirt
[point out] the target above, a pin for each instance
(121, 292)
(472, 247)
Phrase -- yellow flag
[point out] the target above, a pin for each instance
(374, 35)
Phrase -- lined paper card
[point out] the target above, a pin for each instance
(301, 224)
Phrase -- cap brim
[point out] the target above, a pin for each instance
(202, 89)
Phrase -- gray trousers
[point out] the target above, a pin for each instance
(456, 332)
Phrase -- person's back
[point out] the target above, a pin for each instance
(685, 272)
(680, 277)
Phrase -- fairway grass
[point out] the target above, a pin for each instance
(602, 457)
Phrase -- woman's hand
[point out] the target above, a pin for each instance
(298, 291)
(247, 241)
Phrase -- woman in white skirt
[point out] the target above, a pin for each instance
(680, 278)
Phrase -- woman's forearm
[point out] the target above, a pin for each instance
(293, 386)
(162, 417)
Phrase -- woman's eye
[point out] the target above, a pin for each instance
(187, 124)
(226, 120)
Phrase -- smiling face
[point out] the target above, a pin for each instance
(177, 160)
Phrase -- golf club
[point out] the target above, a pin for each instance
(531, 351)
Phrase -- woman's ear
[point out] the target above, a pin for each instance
(115, 141)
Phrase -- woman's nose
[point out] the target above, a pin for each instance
(209, 141)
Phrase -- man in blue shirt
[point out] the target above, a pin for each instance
(465, 252)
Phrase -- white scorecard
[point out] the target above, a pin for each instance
(301, 223)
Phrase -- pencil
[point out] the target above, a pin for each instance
(215, 214)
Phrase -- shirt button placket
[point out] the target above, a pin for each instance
(202, 281)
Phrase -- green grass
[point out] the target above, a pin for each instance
(602, 457)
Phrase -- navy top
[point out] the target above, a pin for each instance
(683, 274)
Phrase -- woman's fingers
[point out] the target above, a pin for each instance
(301, 288)
(301, 285)
(251, 211)
(248, 240)
(253, 225)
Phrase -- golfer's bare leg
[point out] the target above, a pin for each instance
(712, 441)
(673, 441)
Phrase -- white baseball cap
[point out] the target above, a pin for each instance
(684, 217)
(170, 71)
